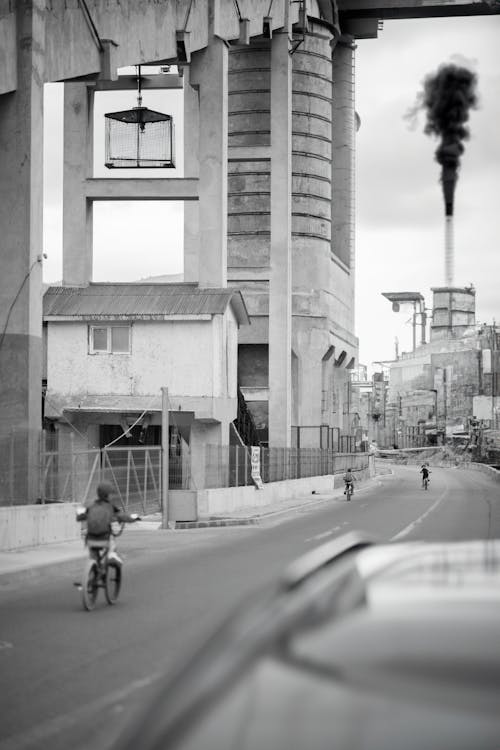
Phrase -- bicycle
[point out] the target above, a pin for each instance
(425, 483)
(348, 491)
(100, 572)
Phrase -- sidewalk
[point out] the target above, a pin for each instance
(33, 562)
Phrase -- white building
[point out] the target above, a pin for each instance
(110, 348)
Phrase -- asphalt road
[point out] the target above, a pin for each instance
(71, 679)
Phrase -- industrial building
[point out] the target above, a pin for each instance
(442, 387)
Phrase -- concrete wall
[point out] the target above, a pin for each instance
(32, 525)
(228, 499)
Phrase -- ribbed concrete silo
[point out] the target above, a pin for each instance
(323, 343)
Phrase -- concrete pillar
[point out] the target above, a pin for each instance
(191, 169)
(21, 185)
(78, 165)
(280, 281)
(209, 69)
(343, 137)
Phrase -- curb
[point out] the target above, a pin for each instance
(250, 520)
(216, 522)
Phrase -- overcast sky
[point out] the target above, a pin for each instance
(399, 208)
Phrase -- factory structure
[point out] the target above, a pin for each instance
(443, 391)
(268, 188)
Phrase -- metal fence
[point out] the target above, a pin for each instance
(230, 465)
(73, 476)
(323, 437)
(19, 466)
(38, 465)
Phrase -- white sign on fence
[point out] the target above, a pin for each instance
(255, 458)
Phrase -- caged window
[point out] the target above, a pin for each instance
(109, 339)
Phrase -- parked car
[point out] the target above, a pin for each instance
(359, 645)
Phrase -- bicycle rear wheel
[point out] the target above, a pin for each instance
(113, 582)
(90, 584)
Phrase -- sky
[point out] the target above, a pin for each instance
(399, 207)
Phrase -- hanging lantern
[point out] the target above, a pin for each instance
(139, 137)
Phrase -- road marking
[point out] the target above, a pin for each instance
(407, 529)
(323, 534)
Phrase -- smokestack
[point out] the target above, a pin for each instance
(447, 97)
(449, 254)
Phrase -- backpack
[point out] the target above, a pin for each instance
(99, 517)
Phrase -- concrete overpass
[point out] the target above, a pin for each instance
(269, 134)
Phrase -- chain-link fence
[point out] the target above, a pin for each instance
(230, 465)
(20, 463)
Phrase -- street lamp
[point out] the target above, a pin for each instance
(399, 298)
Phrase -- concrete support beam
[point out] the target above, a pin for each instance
(130, 189)
(209, 70)
(343, 130)
(129, 83)
(191, 169)
(343, 159)
(280, 283)
(21, 184)
(8, 52)
(77, 166)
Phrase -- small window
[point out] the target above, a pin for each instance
(109, 339)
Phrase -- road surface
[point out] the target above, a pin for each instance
(70, 679)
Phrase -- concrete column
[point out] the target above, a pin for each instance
(209, 72)
(191, 169)
(21, 185)
(78, 165)
(280, 282)
(343, 137)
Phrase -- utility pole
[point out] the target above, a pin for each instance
(164, 457)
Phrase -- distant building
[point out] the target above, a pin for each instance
(436, 390)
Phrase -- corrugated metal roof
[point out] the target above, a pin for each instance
(139, 300)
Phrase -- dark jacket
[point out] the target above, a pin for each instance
(114, 514)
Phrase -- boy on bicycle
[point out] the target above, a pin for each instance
(425, 471)
(349, 481)
(99, 516)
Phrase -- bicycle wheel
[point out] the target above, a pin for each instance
(90, 584)
(113, 582)
(348, 493)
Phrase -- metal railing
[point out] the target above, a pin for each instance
(323, 437)
(63, 473)
(36, 467)
(230, 465)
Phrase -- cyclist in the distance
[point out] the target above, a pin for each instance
(425, 471)
(349, 481)
(99, 516)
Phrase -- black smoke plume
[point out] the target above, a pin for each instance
(447, 97)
